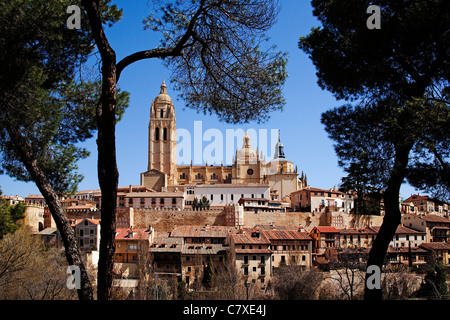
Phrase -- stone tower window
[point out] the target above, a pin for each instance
(165, 134)
(156, 133)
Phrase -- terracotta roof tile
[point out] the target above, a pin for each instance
(245, 238)
(133, 234)
(325, 229)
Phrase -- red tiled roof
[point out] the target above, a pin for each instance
(327, 229)
(245, 238)
(400, 230)
(94, 221)
(435, 218)
(416, 197)
(134, 234)
(285, 235)
(435, 245)
(406, 249)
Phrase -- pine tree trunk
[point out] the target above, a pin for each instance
(108, 175)
(65, 229)
(391, 220)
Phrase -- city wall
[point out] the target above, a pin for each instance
(166, 219)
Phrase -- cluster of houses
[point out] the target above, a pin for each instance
(258, 251)
(255, 251)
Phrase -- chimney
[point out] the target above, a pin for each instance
(255, 234)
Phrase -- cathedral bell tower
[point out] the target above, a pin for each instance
(162, 143)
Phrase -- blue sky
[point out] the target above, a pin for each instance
(305, 141)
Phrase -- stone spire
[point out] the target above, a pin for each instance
(279, 148)
(163, 87)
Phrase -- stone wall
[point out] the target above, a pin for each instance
(34, 217)
(166, 219)
(309, 220)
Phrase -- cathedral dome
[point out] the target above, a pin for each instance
(246, 154)
(163, 97)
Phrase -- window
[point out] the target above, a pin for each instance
(157, 133)
(212, 198)
(161, 114)
(232, 198)
(221, 197)
(132, 246)
(165, 134)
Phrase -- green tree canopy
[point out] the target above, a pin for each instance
(10, 216)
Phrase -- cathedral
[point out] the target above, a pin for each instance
(248, 167)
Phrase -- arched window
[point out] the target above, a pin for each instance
(157, 133)
(162, 113)
(165, 134)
